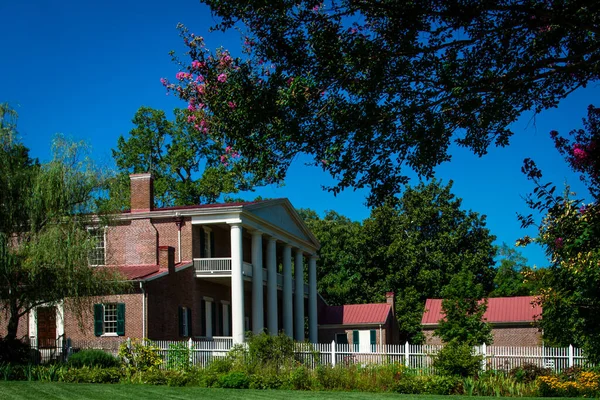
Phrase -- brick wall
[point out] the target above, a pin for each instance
(81, 328)
(503, 336)
(22, 328)
(167, 236)
(132, 243)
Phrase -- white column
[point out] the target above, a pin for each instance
(258, 311)
(288, 311)
(272, 286)
(313, 332)
(299, 300)
(237, 285)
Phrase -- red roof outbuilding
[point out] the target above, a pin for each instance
(499, 310)
(355, 314)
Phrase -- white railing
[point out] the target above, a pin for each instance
(418, 357)
(208, 266)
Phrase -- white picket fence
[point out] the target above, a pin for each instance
(417, 357)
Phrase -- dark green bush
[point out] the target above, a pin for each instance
(457, 359)
(220, 365)
(234, 380)
(93, 375)
(93, 358)
(265, 349)
(16, 352)
(443, 385)
(300, 378)
(410, 384)
(264, 381)
(528, 372)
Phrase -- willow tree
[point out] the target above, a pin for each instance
(46, 210)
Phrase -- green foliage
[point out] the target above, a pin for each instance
(369, 89)
(463, 309)
(94, 375)
(178, 356)
(300, 378)
(513, 276)
(569, 232)
(457, 359)
(413, 249)
(93, 358)
(528, 372)
(140, 355)
(234, 380)
(497, 384)
(264, 349)
(185, 162)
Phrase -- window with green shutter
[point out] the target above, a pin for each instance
(373, 340)
(355, 340)
(109, 319)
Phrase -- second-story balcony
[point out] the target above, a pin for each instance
(221, 267)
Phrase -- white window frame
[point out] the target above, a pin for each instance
(93, 263)
(184, 323)
(112, 331)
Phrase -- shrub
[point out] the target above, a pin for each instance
(443, 385)
(93, 375)
(300, 378)
(528, 372)
(16, 352)
(457, 359)
(140, 355)
(178, 356)
(234, 380)
(221, 365)
(265, 349)
(93, 358)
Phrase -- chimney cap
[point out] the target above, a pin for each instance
(143, 175)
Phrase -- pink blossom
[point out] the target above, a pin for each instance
(191, 107)
(196, 127)
(222, 78)
(231, 105)
(203, 123)
(235, 154)
(200, 89)
(227, 149)
(163, 81)
(559, 243)
(225, 59)
(290, 80)
(579, 152)
(191, 118)
(200, 106)
(195, 64)
(200, 78)
(223, 158)
(315, 8)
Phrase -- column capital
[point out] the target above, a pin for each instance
(272, 239)
(257, 232)
(235, 224)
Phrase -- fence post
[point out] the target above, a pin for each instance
(190, 351)
(570, 355)
(483, 353)
(406, 354)
(333, 353)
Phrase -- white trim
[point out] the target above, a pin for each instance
(206, 298)
(221, 218)
(109, 334)
(33, 323)
(60, 321)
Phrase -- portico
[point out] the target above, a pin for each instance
(268, 249)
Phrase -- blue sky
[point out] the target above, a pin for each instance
(84, 68)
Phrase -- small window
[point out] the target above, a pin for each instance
(185, 322)
(341, 338)
(96, 255)
(109, 319)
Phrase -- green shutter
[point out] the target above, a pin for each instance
(203, 317)
(355, 340)
(221, 324)
(202, 243)
(120, 319)
(98, 319)
(189, 321)
(214, 318)
(373, 340)
(212, 244)
(180, 319)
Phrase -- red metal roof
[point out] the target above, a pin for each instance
(141, 272)
(352, 314)
(216, 205)
(499, 309)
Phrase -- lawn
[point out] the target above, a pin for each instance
(43, 391)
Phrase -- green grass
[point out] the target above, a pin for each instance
(43, 391)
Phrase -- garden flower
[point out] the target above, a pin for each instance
(222, 78)
(196, 64)
(232, 105)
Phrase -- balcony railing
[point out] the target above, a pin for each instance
(212, 266)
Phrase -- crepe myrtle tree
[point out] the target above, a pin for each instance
(45, 211)
(369, 88)
(569, 231)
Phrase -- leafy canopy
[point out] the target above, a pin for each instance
(369, 87)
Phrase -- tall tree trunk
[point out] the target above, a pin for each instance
(13, 321)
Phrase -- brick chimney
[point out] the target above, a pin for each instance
(166, 258)
(142, 192)
(390, 299)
